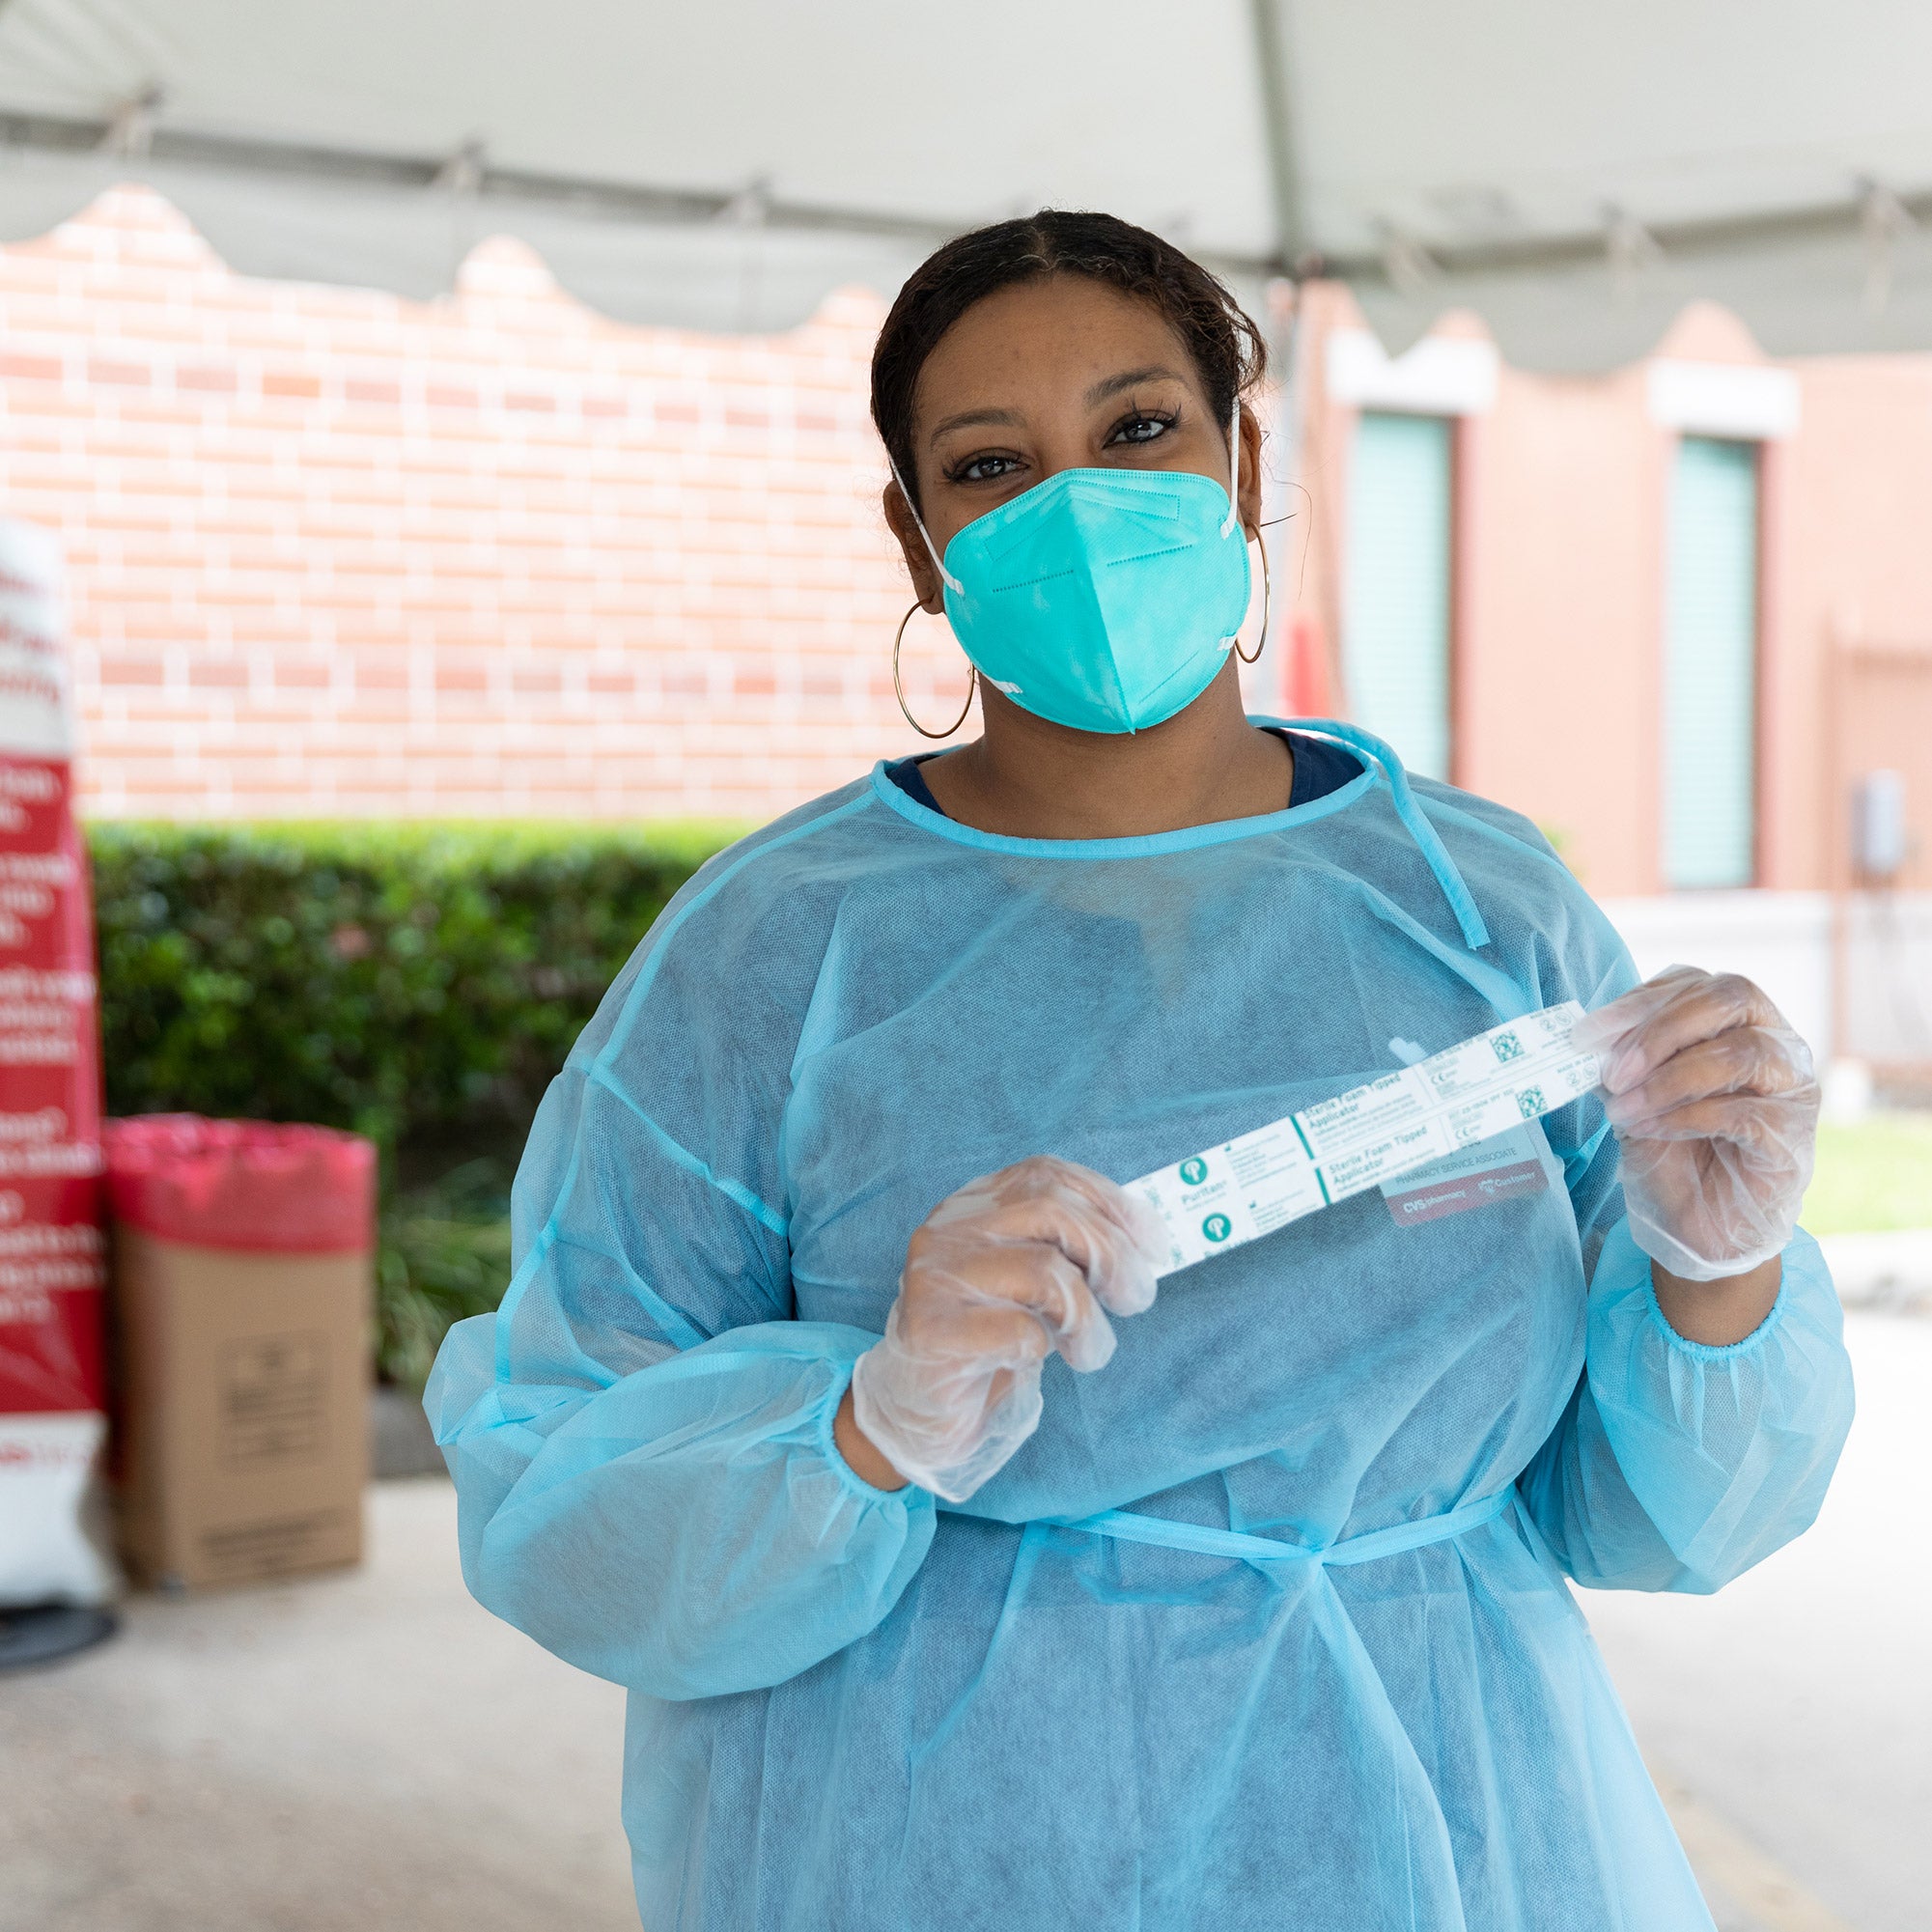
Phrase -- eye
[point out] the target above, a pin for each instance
(1144, 426)
(985, 468)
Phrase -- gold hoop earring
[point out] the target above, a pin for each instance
(1267, 596)
(899, 690)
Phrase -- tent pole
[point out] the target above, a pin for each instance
(1283, 323)
(1283, 318)
(1284, 181)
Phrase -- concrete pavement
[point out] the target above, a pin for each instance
(371, 1750)
(351, 1753)
(1795, 1706)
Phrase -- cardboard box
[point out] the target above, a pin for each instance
(245, 1380)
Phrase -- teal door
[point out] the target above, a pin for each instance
(1710, 667)
(1396, 617)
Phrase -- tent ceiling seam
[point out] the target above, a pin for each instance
(1680, 243)
(1676, 241)
(485, 180)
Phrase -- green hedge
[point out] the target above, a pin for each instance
(396, 981)
(420, 984)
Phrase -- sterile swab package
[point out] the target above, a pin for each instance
(1263, 1179)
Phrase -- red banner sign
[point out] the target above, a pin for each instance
(52, 1257)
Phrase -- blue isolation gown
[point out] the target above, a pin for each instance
(1345, 1684)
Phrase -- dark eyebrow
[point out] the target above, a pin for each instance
(969, 419)
(1111, 385)
(1114, 384)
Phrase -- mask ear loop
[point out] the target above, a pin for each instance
(1233, 512)
(947, 577)
(1233, 467)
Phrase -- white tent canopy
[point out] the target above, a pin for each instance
(1576, 174)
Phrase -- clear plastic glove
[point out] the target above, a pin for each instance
(1716, 1107)
(1000, 1275)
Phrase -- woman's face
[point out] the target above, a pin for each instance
(1063, 373)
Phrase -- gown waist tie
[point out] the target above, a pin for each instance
(1129, 1526)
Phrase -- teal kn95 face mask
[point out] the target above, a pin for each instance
(1104, 600)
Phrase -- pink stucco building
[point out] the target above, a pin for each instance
(1561, 526)
(332, 552)
(1680, 613)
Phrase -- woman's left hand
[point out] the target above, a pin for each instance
(1716, 1107)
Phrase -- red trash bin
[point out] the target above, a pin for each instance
(241, 1283)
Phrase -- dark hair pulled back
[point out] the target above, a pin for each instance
(1228, 347)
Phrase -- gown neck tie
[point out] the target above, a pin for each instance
(1415, 821)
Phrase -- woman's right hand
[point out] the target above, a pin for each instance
(1000, 1275)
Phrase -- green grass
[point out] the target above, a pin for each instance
(1874, 1174)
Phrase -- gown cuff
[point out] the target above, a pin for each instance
(907, 1494)
(1721, 1351)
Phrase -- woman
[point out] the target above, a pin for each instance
(806, 1461)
